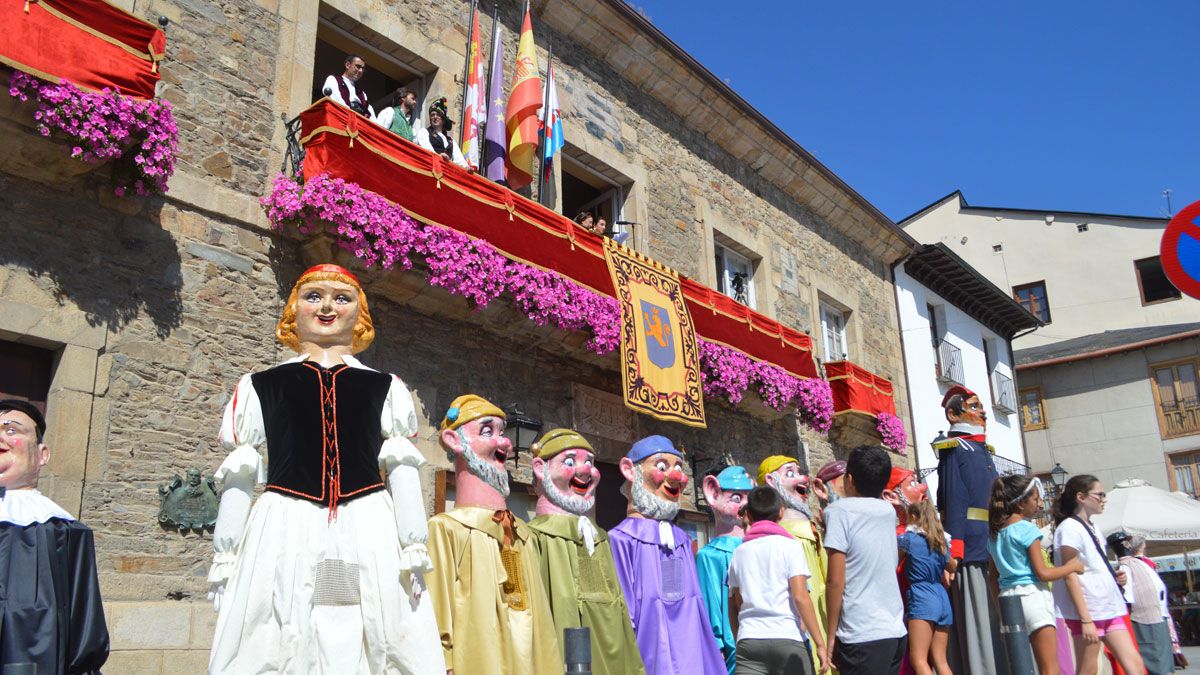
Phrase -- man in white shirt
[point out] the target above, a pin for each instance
(344, 89)
(770, 609)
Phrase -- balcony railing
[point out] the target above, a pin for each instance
(1003, 393)
(293, 158)
(1181, 417)
(1007, 467)
(949, 365)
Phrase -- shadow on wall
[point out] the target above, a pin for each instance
(110, 265)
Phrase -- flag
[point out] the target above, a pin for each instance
(553, 131)
(524, 99)
(660, 359)
(494, 142)
(475, 100)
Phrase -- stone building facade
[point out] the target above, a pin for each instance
(150, 308)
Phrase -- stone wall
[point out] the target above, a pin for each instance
(156, 306)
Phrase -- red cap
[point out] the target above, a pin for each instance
(335, 269)
(958, 390)
(899, 473)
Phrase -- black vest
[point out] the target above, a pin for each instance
(323, 430)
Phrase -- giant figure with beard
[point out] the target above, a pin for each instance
(656, 568)
(491, 605)
(324, 573)
(965, 474)
(785, 475)
(725, 491)
(573, 554)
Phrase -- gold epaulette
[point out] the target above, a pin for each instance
(942, 446)
(990, 448)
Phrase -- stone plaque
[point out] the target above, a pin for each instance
(190, 505)
(599, 413)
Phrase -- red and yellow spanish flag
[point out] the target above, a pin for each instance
(660, 359)
(524, 99)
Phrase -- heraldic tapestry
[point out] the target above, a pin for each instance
(660, 361)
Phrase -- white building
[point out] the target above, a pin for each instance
(957, 328)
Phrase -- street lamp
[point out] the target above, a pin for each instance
(1058, 476)
(521, 429)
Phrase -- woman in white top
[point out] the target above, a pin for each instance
(437, 138)
(1092, 603)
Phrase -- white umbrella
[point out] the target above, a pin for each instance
(1170, 523)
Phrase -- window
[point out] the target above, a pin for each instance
(1082, 227)
(997, 248)
(389, 66)
(935, 335)
(1184, 472)
(1153, 282)
(1033, 413)
(1033, 298)
(1175, 395)
(833, 332)
(25, 373)
(588, 185)
(735, 274)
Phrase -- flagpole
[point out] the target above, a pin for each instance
(462, 114)
(545, 120)
(488, 89)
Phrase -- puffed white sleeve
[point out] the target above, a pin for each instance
(401, 460)
(242, 430)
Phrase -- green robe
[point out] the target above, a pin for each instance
(584, 591)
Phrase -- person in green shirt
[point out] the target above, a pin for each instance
(401, 117)
(573, 554)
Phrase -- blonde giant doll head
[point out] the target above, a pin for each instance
(327, 305)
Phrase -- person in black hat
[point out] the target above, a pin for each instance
(50, 609)
(436, 137)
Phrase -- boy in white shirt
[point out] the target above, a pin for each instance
(866, 628)
(770, 610)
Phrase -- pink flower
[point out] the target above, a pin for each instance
(891, 430)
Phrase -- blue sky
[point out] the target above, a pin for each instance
(1062, 105)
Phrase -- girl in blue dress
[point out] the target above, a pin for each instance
(925, 557)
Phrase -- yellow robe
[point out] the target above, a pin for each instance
(490, 623)
(818, 564)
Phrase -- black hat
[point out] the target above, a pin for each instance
(29, 409)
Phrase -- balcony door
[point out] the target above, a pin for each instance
(1177, 399)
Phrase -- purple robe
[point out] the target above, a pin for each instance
(665, 605)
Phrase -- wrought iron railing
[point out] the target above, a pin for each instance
(949, 365)
(1008, 467)
(1005, 395)
(293, 156)
(1181, 417)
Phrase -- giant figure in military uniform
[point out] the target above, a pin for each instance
(965, 474)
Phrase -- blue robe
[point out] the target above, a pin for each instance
(965, 475)
(664, 600)
(712, 568)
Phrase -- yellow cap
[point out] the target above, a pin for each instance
(771, 465)
(469, 407)
(557, 440)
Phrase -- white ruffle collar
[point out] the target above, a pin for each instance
(26, 507)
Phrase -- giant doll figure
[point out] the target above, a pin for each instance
(656, 568)
(785, 475)
(965, 474)
(324, 573)
(491, 605)
(573, 555)
(51, 617)
(725, 492)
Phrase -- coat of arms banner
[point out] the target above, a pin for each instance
(660, 361)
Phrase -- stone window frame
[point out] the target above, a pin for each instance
(76, 411)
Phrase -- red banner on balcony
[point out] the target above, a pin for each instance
(348, 146)
(856, 389)
(88, 42)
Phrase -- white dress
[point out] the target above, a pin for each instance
(269, 620)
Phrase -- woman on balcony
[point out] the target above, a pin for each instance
(436, 137)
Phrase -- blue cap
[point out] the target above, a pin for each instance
(734, 478)
(651, 445)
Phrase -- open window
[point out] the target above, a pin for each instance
(590, 186)
(25, 373)
(834, 323)
(735, 268)
(389, 66)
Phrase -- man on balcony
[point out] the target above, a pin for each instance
(344, 89)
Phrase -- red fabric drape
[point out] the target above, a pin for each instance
(348, 146)
(857, 389)
(88, 42)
